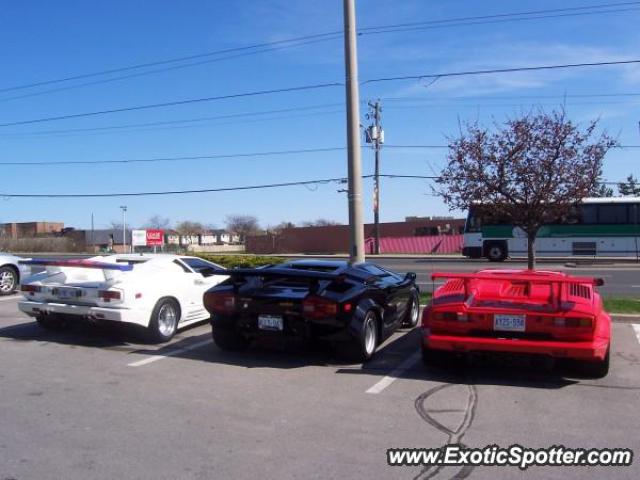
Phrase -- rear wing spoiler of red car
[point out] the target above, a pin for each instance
(77, 263)
(598, 282)
(554, 299)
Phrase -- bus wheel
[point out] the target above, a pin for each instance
(496, 252)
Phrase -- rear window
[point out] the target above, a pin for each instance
(373, 270)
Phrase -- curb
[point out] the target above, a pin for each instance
(625, 317)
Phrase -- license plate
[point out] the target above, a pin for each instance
(270, 322)
(67, 293)
(509, 323)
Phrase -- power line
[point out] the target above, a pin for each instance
(170, 104)
(322, 85)
(173, 192)
(221, 189)
(174, 159)
(181, 121)
(501, 70)
(308, 39)
(170, 60)
(439, 24)
(222, 156)
(504, 15)
(165, 69)
(513, 97)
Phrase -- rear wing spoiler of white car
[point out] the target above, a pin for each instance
(78, 263)
(109, 270)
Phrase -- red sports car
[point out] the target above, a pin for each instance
(518, 312)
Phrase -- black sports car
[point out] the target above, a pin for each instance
(355, 305)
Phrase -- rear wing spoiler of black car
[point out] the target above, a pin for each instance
(239, 275)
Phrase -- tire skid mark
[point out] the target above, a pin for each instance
(454, 436)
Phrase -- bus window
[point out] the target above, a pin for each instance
(473, 223)
(612, 214)
(589, 214)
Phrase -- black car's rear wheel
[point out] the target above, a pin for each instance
(364, 346)
(413, 312)
(227, 338)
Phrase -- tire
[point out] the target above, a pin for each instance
(496, 252)
(9, 279)
(164, 320)
(228, 339)
(52, 322)
(364, 347)
(598, 369)
(412, 316)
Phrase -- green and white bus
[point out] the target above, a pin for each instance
(599, 227)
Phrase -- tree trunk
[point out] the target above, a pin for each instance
(531, 251)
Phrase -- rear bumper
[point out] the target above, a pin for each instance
(583, 350)
(123, 315)
(294, 328)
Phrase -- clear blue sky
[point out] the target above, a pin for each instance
(43, 40)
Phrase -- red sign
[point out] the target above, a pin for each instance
(155, 238)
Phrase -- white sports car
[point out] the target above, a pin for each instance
(161, 292)
(10, 273)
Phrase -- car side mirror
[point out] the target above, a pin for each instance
(411, 276)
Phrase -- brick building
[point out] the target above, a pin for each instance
(17, 230)
(335, 238)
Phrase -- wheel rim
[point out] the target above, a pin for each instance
(415, 308)
(167, 319)
(369, 335)
(495, 252)
(7, 281)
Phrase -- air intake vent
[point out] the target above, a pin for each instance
(577, 290)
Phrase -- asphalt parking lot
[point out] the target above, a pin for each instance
(95, 402)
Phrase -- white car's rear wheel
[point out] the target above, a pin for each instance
(8, 280)
(164, 320)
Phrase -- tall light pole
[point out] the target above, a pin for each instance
(124, 228)
(356, 227)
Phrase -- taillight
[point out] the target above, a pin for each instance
(451, 316)
(220, 302)
(109, 295)
(31, 289)
(573, 322)
(318, 307)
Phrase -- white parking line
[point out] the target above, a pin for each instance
(636, 327)
(389, 379)
(12, 297)
(169, 353)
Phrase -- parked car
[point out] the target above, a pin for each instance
(518, 312)
(160, 292)
(10, 273)
(358, 306)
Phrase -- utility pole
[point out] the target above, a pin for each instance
(375, 136)
(356, 227)
(124, 228)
